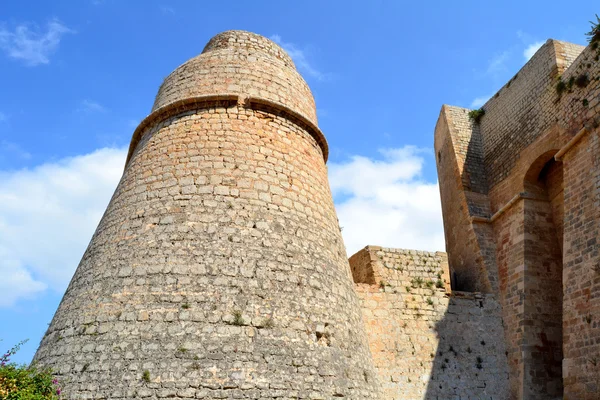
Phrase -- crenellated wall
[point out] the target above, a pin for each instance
(427, 342)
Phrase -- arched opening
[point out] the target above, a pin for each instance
(543, 289)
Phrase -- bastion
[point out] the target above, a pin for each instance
(218, 269)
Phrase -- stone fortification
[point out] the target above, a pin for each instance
(427, 342)
(520, 200)
(218, 269)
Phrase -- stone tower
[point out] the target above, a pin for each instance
(218, 269)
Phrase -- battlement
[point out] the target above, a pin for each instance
(396, 268)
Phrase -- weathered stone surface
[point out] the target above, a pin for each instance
(520, 202)
(218, 270)
(428, 343)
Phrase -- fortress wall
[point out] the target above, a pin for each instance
(219, 268)
(580, 107)
(425, 341)
(521, 111)
(463, 191)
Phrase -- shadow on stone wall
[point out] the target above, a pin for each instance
(470, 361)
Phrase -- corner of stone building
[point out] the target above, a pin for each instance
(463, 191)
(363, 265)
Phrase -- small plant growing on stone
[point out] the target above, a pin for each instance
(476, 115)
(182, 349)
(268, 323)
(594, 33)
(185, 306)
(561, 87)
(237, 318)
(417, 282)
(382, 284)
(195, 366)
(429, 284)
(585, 103)
(429, 301)
(146, 376)
(85, 367)
(439, 284)
(408, 288)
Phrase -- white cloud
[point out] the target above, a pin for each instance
(32, 46)
(531, 49)
(91, 106)
(480, 101)
(299, 57)
(386, 202)
(47, 216)
(497, 64)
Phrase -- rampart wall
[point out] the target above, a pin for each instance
(531, 236)
(427, 342)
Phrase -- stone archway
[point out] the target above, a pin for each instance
(542, 286)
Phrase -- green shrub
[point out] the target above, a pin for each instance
(20, 382)
(476, 115)
(594, 33)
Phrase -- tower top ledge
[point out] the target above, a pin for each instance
(243, 41)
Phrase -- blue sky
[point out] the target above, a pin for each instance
(77, 77)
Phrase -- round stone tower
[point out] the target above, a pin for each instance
(218, 269)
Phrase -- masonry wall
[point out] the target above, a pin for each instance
(426, 342)
(580, 107)
(218, 269)
(523, 109)
(543, 192)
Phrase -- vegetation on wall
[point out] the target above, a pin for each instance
(594, 33)
(476, 115)
(26, 383)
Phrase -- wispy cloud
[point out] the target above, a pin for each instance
(480, 101)
(531, 49)
(91, 106)
(3, 117)
(14, 150)
(498, 64)
(384, 201)
(300, 58)
(167, 10)
(30, 44)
